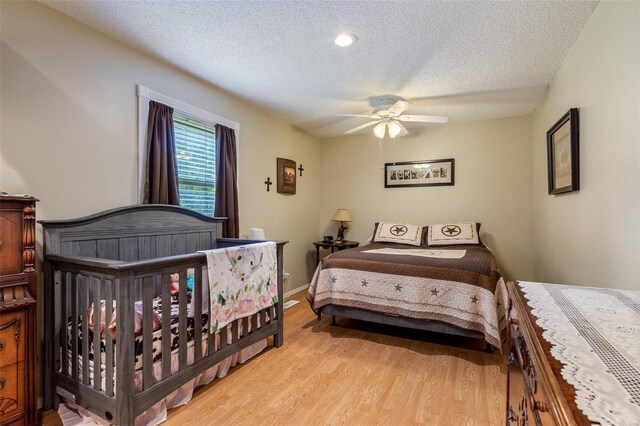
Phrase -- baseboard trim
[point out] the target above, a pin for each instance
(296, 290)
(290, 303)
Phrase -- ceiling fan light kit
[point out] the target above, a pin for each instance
(394, 128)
(388, 117)
(379, 130)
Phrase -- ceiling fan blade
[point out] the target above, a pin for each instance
(399, 107)
(404, 131)
(356, 115)
(424, 118)
(364, 126)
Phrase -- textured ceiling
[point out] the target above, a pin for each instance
(465, 60)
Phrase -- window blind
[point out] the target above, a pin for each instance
(196, 155)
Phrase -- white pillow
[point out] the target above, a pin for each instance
(453, 233)
(400, 233)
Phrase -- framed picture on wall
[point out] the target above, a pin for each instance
(419, 173)
(563, 154)
(286, 176)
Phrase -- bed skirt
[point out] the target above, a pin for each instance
(73, 415)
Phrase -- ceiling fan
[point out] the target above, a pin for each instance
(388, 116)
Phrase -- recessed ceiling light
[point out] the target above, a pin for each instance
(345, 39)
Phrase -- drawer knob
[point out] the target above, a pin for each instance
(2, 344)
(2, 382)
(540, 406)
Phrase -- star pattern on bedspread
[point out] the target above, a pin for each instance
(415, 293)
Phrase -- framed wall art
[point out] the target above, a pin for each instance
(419, 173)
(563, 154)
(286, 179)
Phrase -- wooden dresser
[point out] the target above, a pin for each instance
(18, 284)
(537, 392)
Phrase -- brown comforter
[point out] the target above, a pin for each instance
(467, 292)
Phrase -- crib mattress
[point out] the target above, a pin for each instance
(157, 334)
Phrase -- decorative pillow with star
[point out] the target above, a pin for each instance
(445, 234)
(399, 233)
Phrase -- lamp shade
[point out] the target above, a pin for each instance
(342, 215)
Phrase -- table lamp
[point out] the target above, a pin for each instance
(342, 216)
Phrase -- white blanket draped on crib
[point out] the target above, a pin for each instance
(242, 281)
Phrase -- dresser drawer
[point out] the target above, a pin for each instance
(527, 403)
(12, 385)
(11, 242)
(516, 401)
(12, 337)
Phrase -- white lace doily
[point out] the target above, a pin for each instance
(595, 334)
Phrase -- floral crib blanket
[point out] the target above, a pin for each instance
(242, 281)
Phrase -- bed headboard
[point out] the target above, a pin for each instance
(132, 233)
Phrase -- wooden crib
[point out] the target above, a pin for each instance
(128, 255)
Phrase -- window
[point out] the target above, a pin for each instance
(196, 154)
(195, 135)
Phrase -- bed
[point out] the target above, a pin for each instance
(453, 289)
(121, 335)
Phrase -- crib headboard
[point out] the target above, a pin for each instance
(132, 233)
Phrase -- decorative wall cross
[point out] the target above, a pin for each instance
(300, 169)
(268, 183)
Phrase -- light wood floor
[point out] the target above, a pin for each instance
(354, 374)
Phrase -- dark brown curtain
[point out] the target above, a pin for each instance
(226, 181)
(161, 178)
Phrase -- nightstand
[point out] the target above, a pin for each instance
(333, 245)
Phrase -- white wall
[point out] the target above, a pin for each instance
(68, 130)
(592, 237)
(492, 184)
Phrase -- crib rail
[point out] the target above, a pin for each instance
(77, 346)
